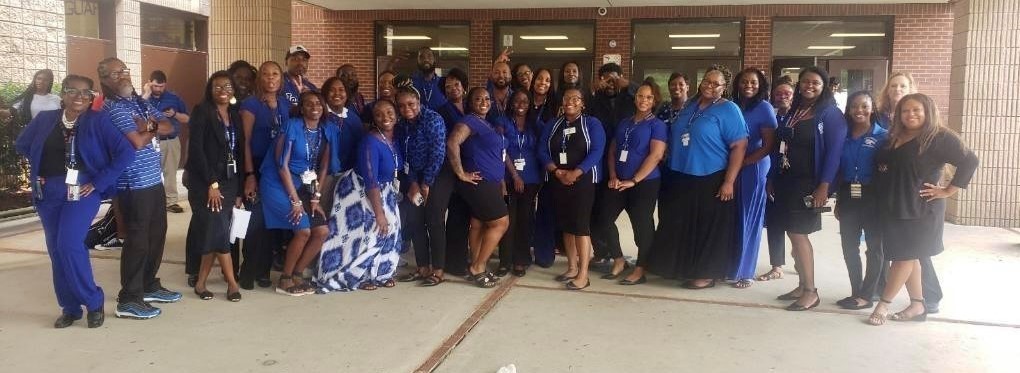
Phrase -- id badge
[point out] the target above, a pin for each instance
(73, 192)
(782, 147)
(855, 191)
(37, 189)
(407, 168)
(307, 177)
(72, 177)
(519, 164)
(231, 169)
(570, 131)
(155, 144)
(623, 155)
(563, 158)
(504, 155)
(685, 139)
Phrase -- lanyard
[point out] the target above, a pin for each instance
(277, 120)
(426, 88)
(630, 128)
(393, 151)
(857, 154)
(563, 140)
(141, 108)
(70, 146)
(698, 113)
(230, 133)
(312, 151)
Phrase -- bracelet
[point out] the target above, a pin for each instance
(314, 201)
(295, 203)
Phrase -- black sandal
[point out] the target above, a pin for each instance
(411, 277)
(389, 283)
(432, 280)
(234, 297)
(797, 307)
(204, 295)
(483, 280)
(367, 286)
(519, 272)
(571, 286)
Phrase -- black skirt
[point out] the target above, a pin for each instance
(211, 230)
(909, 239)
(573, 205)
(696, 234)
(791, 214)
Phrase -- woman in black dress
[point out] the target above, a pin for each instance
(917, 150)
(213, 180)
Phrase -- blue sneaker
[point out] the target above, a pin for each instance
(137, 311)
(162, 295)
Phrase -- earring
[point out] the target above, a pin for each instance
(233, 100)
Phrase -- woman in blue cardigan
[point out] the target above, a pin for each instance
(88, 153)
(810, 145)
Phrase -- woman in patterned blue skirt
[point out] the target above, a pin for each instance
(363, 245)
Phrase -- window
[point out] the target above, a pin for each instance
(549, 45)
(449, 43)
(831, 38)
(661, 48)
(81, 18)
(170, 28)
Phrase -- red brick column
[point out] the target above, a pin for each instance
(923, 47)
(758, 43)
(481, 53)
(617, 29)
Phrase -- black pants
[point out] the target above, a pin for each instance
(856, 216)
(447, 220)
(639, 202)
(458, 223)
(515, 248)
(144, 212)
(259, 246)
(412, 222)
(776, 235)
(602, 233)
(931, 290)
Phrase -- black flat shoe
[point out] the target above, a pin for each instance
(690, 285)
(65, 320)
(850, 303)
(565, 278)
(204, 295)
(797, 307)
(570, 285)
(247, 284)
(519, 272)
(192, 280)
(639, 281)
(234, 297)
(502, 272)
(789, 296)
(96, 318)
(264, 282)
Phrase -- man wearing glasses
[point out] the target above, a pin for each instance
(141, 198)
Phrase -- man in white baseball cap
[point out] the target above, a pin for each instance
(295, 82)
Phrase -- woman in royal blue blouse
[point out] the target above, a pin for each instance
(447, 216)
(421, 136)
(694, 239)
(75, 156)
(750, 92)
(810, 145)
(633, 166)
(571, 150)
(364, 243)
(292, 176)
(856, 206)
(476, 150)
(525, 175)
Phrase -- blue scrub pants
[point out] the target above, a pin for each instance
(65, 225)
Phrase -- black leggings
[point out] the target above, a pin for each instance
(856, 216)
(447, 219)
(639, 202)
(412, 222)
(515, 249)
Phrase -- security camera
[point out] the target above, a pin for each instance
(603, 11)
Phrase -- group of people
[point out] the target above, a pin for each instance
(530, 164)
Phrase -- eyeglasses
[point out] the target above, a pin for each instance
(223, 88)
(482, 99)
(524, 73)
(573, 99)
(119, 74)
(74, 92)
(711, 84)
(813, 83)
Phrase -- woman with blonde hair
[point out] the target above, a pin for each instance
(898, 85)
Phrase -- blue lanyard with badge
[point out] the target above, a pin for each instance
(230, 133)
(309, 178)
(522, 139)
(685, 138)
(567, 131)
(626, 137)
(856, 188)
(71, 160)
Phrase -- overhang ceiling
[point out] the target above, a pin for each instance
(521, 4)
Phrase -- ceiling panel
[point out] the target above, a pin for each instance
(489, 4)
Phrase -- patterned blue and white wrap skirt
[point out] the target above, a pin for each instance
(354, 253)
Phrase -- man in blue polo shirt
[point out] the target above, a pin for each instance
(173, 148)
(140, 195)
(294, 81)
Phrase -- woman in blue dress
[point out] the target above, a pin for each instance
(364, 242)
(292, 174)
(750, 93)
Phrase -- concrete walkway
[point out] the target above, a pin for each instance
(530, 322)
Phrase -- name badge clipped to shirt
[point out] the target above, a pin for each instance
(685, 139)
(73, 192)
(155, 144)
(624, 153)
(519, 164)
(72, 177)
(407, 168)
(563, 158)
(307, 177)
(231, 169)
(504, 155)
(856, 191)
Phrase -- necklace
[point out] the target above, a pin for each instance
(68, 123)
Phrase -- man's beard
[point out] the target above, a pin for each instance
(425, 68)
(125, 89)
(500, 84)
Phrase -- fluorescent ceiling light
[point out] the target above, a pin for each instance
(566, 48)
(693, 36)
(407, 37)
(694, 47)
(857, 34)
(544, 37)
(827, 47)
(448, 48)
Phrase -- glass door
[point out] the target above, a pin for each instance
(790, 67)
(860, 75)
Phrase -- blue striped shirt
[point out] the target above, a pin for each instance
(146, 170)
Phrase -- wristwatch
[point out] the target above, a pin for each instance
(318, 195)
(215, 185)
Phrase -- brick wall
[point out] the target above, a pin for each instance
(31, 38)
(920, 24)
